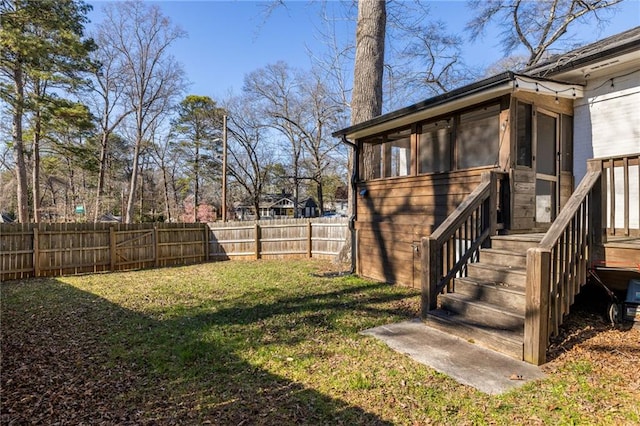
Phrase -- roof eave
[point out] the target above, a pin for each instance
(498, 82)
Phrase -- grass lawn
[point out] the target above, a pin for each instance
(267, 342)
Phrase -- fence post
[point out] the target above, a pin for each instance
(36, 252)
(536, 320)
(309, 240)
(257, 242)
(205, 228)
(430, 259)
(156, 246)
(112, 248)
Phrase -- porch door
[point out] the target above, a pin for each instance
(546, 167)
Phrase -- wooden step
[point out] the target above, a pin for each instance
(515, 276)
(508, 342)
(509, 296)
(503, 257)
(481, 313)
(517, 242)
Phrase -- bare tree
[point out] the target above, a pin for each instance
(107, 100)
(276, 88)
(142, 35)
(536, 25)
(164, 156)
(250, 158)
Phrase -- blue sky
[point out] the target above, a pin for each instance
(229, 39)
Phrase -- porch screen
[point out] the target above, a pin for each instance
(478, 138)
(371, 159)
(398, 154)
(434, 147)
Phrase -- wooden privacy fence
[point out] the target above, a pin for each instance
(318, 238)
(39, 250)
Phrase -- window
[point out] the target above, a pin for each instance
(454, 142)
(523, 135)
(546, 144)
(434, 147)
(478, 138)
(398, 154)
(371, 159)
(386, 156)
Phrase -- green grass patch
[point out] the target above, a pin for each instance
(263, 342)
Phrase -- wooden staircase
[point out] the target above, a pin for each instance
(487, 306)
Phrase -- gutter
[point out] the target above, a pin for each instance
(354, 200)
(502, 80)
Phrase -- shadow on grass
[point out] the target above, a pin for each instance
(69, 356)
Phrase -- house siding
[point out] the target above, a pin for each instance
(607, 124)
(394, 214)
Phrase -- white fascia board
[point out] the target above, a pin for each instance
(548, 87)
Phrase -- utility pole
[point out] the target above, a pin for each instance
(224, 168)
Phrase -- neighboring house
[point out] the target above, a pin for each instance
(308, 208)
(278, 206)
(453, 191)
(110, 218)
(5, 218)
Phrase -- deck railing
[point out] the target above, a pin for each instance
(557, 268)
(457, 241)
(621, 180)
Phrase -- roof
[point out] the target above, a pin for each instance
(109, 217)
(616, 45)
(5, 218)
(471, 94)
(627, 42)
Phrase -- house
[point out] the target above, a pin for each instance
(110, 218)
(499, 198)
(5, 218)
(278, 206)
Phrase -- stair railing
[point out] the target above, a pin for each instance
(557, 268)
(457, 241)
(619, 181)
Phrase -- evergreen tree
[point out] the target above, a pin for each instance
(41, 40)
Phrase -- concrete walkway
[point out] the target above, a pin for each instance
(469, 364)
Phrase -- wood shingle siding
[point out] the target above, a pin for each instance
(394, 214)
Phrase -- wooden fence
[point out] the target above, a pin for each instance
(40, 250)
(284, 238)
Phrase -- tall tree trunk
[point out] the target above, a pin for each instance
(37, 133)
(320, 187)
(165, 183)
(196, 191)
(366, 98)
(101, 173)
(18, 146)
(129, 210)
(128, 217)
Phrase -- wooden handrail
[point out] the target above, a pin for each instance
(567, 214)
(459, 215)
(618, 182)
(557, 268)
(446, 252)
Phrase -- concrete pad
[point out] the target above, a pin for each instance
(469, 364)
